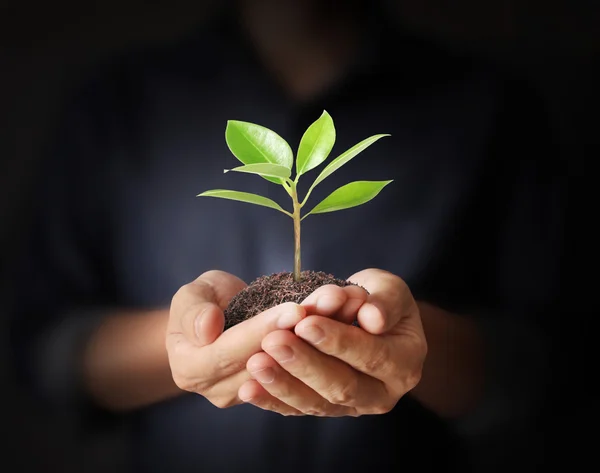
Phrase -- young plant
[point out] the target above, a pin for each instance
(264, 152)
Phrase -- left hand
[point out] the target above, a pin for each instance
(327, 367)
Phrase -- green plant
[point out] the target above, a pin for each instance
(264, 152)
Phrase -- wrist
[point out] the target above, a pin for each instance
(125, 363)
(453, 374)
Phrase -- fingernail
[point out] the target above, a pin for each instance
(327, 303)
(313, 334)
(281, 353)
(288, 319)
(264, 376)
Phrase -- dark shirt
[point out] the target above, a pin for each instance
(468, 222)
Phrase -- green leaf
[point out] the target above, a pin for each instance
(243, 197)
(343, 159)
(253, 144)
(264, 169)
(316, 144)
(351, 195)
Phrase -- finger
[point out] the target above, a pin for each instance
(329, 377)
(217, 287)
(195, 312)
(225, 392)
(356, 297)
(192, 310)
(340, 303)
(190, 374)
(326, 300)
(389, 301)
(229, 353)
(286, 388)
(253, 393)
(224, 285)
(367, 353)
(202, 323)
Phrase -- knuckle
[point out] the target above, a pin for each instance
(219, 396)
(222, 402)
(340, 347)
(379, 361)
(192, 291)
(288, 307)
(269, 316)
(413, 379)
(385, 407)
(396, 280)
(209, 276)
(186, 379)
(184, 382)
(226, 364)
(344, 394)
(181, 294)
(324, 408)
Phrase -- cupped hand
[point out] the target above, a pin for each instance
(328, 367)
(204, 359)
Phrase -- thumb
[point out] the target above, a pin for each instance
(224, 285)
(196, 312)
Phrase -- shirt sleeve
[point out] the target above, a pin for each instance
(522, 244)
(61, 276)
(500, 266)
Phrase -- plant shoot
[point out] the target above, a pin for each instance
(265, 153)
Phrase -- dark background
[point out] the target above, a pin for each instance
(46, 48)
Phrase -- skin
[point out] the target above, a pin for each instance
(331, 368)
(308, 359)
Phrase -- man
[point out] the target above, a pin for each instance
(455, 242)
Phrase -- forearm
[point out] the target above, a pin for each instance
(125, 364)
(453, 375)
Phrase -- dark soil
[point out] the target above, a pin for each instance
(268, 291)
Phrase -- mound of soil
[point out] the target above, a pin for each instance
(268, 291)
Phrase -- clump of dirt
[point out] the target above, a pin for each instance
(268, 291)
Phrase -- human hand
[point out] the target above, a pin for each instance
(327, 367)
(204, 359)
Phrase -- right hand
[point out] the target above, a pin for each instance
(204, 359)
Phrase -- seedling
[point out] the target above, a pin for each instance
(264, 152)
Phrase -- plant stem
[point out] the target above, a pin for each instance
(296, 217)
